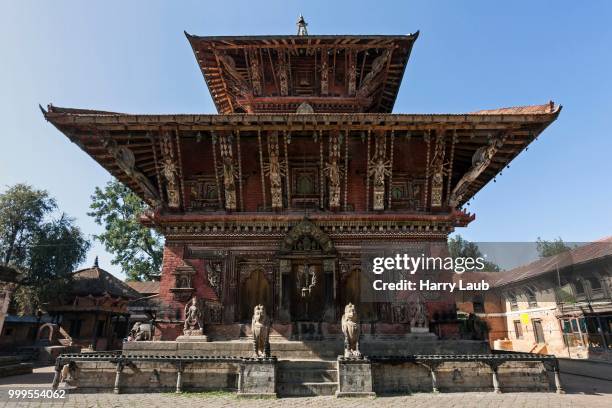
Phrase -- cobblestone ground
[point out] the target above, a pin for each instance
(582, 392)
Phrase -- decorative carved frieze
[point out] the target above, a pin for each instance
(214, 275)
(306, 228)
(438, 170)
(380, 168)
(229, 171)
(333, 171)
(480, 161)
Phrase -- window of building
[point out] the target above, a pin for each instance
(538, 331)
(579, 287)
(478, 304)
(531, 298)
(100, 328)
(518, 329)
(513, 302)
(575, 326)
(75, 328)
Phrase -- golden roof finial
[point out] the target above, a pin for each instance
(301, 23)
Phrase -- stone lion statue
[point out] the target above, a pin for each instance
(261, 332)
(351, 331)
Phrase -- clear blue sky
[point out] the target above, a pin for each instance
(133, 57)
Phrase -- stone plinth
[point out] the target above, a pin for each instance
(257, 378)
(192, 339)
(354, 378)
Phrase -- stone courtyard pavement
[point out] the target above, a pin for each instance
(581, 392)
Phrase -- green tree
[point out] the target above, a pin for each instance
(550, 248)
(458, 247)
(46, 250)
(136, 248)
(22, 210)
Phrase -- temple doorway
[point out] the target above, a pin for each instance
(307, 291)
(254, 290)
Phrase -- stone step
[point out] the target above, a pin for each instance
(306, 389)
(307, 375)
(302, 350)
(16, 369)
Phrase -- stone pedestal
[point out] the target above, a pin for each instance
(354, 378)
(257, 378)
(192, 339)
(191, 336)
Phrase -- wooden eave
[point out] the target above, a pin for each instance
(139, 133)
(225, 100)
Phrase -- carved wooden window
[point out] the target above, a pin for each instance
(305, 186)
(407, 193)
(203, 193)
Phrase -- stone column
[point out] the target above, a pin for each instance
(434, 379)
(494, 367)
(116, 388)
(558, 385)
(179, 378)
(58, 374)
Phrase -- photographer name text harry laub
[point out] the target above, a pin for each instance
(429, 285)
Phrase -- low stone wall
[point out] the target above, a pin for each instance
(257, 377)
(513, 373)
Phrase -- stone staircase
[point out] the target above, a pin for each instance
(15, 365)
(301, 378)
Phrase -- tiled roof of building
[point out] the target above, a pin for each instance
(96, 281)
(576, 256)
(519, 110)
(144, 288)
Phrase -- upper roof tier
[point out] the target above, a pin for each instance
(312, 73)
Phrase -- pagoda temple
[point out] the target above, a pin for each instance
(270, 200)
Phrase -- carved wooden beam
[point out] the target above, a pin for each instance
(480, 161)
(332, 170)
(437, 168)
(229, 172)
(275, 171)
(216, 168)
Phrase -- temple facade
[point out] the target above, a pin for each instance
(271, 200)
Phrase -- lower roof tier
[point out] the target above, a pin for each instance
(341, 163)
